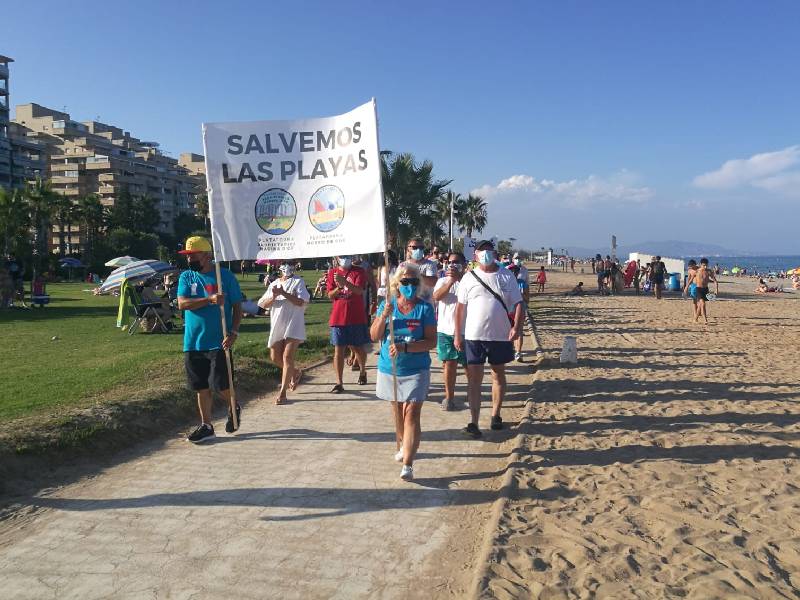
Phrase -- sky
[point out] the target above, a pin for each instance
(574, 120)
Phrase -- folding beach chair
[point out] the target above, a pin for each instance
(143, 312)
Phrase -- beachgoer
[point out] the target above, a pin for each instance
(690, 287)
(203, 344)
(370, 301)
(593, 264)
(522, 276)
(701, 277)
(446, 295)
(487, 299)
(286, 298)
(658, 271)
(637, 276)
(577, 290)
(541, 279)
(348, 320)
(414, 337)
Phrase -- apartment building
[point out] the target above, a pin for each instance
(21, 159)
(97, 158)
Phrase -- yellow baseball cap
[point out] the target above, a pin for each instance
(196, 243)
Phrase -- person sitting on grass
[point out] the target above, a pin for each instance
(287, 299)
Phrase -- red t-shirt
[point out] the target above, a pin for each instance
(348, 308)
(541, 277)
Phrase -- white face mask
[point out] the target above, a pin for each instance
(345, 262)
(287, 270)
(518, 261)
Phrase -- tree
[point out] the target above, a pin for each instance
(472, 215)
(90, 215)
(410, 193)
(40, 200)
(201, 208)
(146, 215)
(64, 213)
(443, 211)
(14, 221)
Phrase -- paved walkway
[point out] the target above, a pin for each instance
(305, 502)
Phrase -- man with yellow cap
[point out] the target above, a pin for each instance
(203, 343)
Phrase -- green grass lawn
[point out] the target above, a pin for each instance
(91, 358)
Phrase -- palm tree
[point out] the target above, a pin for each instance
(40, 200)
(14, 220)
(449, 199)
(64, 213)
(91, 217)
(410, 194)
(472, 216)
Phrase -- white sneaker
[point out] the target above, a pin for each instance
(407, 473)
(518, 356)
(398, 456)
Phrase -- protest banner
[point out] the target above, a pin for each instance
(295, 189)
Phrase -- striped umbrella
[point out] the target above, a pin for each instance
(141, 269)
(121, 261)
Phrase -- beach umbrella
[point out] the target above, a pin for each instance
(72, 263)
(267, 261)
(121, 261)
(141, 269)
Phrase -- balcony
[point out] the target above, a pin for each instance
(3, 71)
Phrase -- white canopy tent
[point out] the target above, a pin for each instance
(674, 265)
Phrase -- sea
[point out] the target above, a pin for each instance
(754, 264)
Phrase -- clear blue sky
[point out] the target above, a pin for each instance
(606, 111)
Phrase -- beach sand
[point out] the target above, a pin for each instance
(665, 463)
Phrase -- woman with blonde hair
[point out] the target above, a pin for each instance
(414, 337)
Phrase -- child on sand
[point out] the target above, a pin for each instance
(541, 279)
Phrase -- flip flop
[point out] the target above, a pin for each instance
(296, 381)
(362, 379)
(337, 389)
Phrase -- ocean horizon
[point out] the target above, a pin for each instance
(755, 264)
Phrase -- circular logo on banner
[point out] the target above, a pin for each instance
(326, 208)
(276, 211)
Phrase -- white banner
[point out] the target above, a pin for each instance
(295, 189)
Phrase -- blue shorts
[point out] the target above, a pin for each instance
(497, 353)
(350, 335)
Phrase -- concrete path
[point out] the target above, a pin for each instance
(305, 502)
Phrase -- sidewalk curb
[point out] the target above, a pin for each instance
(507, 488)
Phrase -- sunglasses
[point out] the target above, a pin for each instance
(417, 247)
(409, 281)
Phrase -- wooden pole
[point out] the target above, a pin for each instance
(228, 361)
(391, 320)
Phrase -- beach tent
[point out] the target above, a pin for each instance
(674, 265)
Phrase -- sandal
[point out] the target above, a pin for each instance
(296, 380)
(362, 379)
(337, 389)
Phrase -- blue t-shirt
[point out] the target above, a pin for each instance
(203, 327)
(407, 328)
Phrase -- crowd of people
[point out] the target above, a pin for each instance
(471, 312)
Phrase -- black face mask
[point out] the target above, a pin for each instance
(195, 266)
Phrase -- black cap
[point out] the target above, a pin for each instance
(484, 243)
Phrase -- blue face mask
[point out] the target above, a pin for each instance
(485, 257)
(345, 262)
(409, 291)
(418, 254)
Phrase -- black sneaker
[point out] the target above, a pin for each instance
(472, 431)
(497, 422)
(229, 423)
(202, 434)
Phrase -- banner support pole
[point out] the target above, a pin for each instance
(227, 351)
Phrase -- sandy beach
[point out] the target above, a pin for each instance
(663, 464)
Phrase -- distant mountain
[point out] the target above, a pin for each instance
(677, 249)
(671, 248)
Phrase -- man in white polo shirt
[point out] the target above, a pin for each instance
(488, 300)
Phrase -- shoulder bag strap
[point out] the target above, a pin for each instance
(491, 291)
